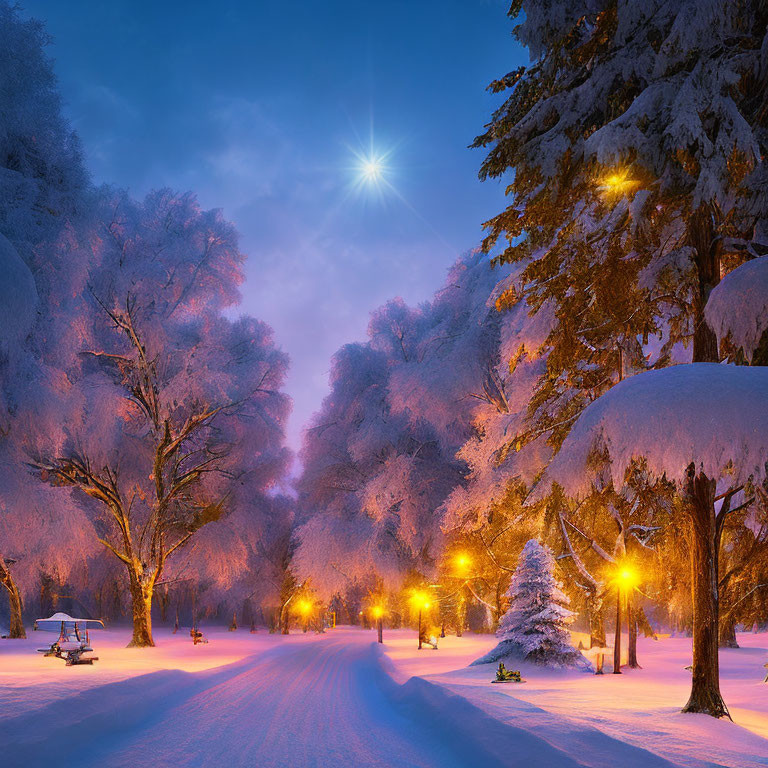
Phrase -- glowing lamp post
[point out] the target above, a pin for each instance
(378, 614)
(461, 565)
(421, 602)
(304, 608)
(625, 579)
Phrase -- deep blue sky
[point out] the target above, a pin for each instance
(255, 106)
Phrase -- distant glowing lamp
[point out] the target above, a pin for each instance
(304, 606)
(462, 562)
(377, 611)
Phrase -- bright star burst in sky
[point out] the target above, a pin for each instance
(373, 176)
(372, 171)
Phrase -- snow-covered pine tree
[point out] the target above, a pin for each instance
(534, 626)
(638, 151)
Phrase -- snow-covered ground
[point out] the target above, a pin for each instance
(337, 699)
(639, 707)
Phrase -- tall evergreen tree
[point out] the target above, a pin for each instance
(637, 137)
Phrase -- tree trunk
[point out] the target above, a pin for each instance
(17, 631)
(141, 599)
(596, 623)
(703, 236)
(632, 622)
(728, 633)
(461, 615)
(163, 601)
(705, 684)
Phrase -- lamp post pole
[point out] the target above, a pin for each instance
(419, 627)
(617, 641)
(378, 615)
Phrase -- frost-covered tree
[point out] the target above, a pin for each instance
(42, 177)
(239, 563)
(379, 459)
(534, 628)
(701, 426)
(42, 190)
(175, 412)
(120, 375)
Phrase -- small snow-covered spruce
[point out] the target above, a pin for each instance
(534, 626)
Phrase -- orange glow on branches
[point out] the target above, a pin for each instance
(419, 600)
(617, 183)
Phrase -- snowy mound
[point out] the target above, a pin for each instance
(514, 653)
(705, 413)
(738, 306)
(18, 296)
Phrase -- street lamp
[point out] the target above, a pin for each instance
(378, 614)
(304, 607)
(625, 580)
(420, 601)
(462, 562)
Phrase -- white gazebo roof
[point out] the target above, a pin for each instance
(55, 621)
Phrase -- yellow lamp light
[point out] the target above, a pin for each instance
(626, 578)
(377, 611)
(304, 606)
(462, 562)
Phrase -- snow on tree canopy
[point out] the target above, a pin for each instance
(738, 306)
(18, 296)
(534, 626)
(704, 413)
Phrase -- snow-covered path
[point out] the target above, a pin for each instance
(328, 702)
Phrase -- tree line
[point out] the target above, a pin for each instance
(596, 377)
(141, 426)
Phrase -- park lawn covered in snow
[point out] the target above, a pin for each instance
(311, 699)
(28, 680)
(640, 707)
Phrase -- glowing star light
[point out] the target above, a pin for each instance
(372, 169)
